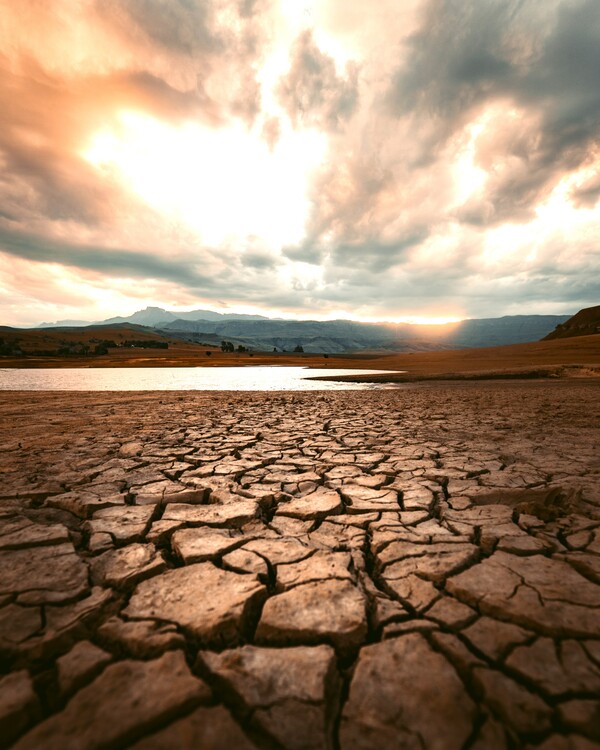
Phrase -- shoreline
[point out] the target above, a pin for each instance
(577, 357)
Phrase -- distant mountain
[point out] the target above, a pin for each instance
(64, 324)
(336, 336)
(584, 323)
(510, 329)
(344, 335)
(155, 316)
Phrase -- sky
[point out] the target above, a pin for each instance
(421, 160)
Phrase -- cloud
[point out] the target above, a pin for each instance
(111, 262)
(312, 92)
(445, 154)
(536, 61)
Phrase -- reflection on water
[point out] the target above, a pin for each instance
(265, 378)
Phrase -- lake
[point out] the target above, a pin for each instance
(262, 378)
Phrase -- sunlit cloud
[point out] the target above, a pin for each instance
(226, 183)
(420, 161)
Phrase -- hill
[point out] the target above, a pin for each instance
(339, 336)
(584, 323)
(75, 341)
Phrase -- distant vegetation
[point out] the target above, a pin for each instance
(227, 346)
(15, 347)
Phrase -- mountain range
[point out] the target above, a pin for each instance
(333, 336)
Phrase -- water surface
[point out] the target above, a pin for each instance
(261, 378)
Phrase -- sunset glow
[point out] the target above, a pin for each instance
(226, 184)
(299, 158)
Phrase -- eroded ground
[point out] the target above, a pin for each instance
(411, 568)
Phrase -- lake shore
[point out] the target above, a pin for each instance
(577, 357)
(167, 557)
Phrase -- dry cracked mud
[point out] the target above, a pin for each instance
(406, 568)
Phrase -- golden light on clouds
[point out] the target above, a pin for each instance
(227, 184)
(382, 161)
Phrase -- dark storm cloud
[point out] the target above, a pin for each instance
(112, 262)
(543, 57)
(258, 260)
(312, 92)
(375, 255)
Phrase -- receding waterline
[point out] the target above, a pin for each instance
(261, 378)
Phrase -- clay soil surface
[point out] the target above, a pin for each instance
(405, 568)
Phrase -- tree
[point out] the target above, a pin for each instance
(299, 349)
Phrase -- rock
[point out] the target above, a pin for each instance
(17, 624)
(127, 450)
(167, 491)
(412, 591)
(80, 665)
(233, 515)
(20, 532)
(556, 669)
(127, 524)
(280, 551)
(451, 613)
(524, 711)
(204, 729)
(320, 503)
(19, 706)
(431, 561)
(521, 545)
(127, 566)
(321, 566)
(582, 716)
(289, 692)
(43, 575)
(64, 624)
(214, 605)
(245, 561)
(494, 638)
(394, 702)
(490, 736)
(141, 639)
(85, 503)
(291, 527)
(327, 611)
(127, 701)
(198, 545)
(365, 499)
(537, 592)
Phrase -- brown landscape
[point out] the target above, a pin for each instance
(405, 568)
(562, 357)
(361, 239)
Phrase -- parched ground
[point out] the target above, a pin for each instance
(407, 568)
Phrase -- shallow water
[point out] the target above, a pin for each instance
(263, 378)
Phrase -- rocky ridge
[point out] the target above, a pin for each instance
(411, 568)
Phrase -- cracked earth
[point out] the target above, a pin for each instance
(410, 568)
